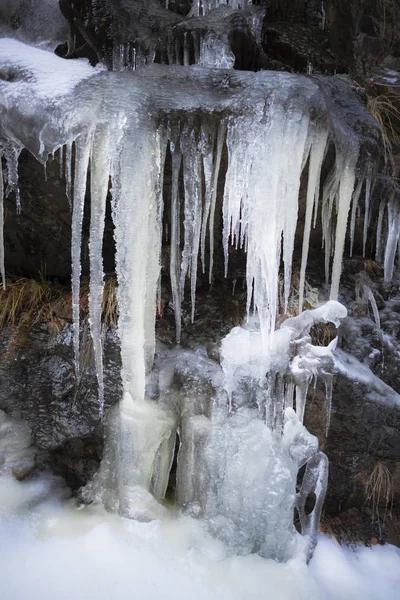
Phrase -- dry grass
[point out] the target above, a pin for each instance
(379, 490)
(386, 112)
(27, 302)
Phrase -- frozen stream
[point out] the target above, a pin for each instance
(51, 550)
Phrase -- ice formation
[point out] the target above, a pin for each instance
(238, 459)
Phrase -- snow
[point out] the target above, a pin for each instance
(51, 549)
(359, 572)
(48, 75)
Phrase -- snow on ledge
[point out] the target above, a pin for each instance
(49, 74)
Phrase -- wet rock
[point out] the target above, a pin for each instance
(37, 383)
(300, 48)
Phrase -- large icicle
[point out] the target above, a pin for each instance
(82, 153)
(354, 208)
(133, 191)
(378, 250)
(99, 179)
(142, 434)
(217, 164)
(346, 188)
(317, 154)
(208, 141)
(261, 198)
(392, 239)
(368, 185)
(192, 178)
(153, 267)
(175, 236)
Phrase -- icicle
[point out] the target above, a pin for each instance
(374, 306)
(354, 208)
(346, 189)
(196, 44)
(134, 182)
(175, 240)
(208, 135)
(178, 60)
(154, 248)
(301, 397)
(99, 179)
(170, 49)
(261, 200)
(2, 270)
(61, 160)
(329, 195)
(12, 154)
(217, 165)
(366, 211)
(328, 379)
(195, 10)
(82, 152)
(317, 154)
(298, 122)
(323, 16)
(289, 395)
(378, 252)
(392, 239)
(278, 403)
(192, 178)
(68, 172)
(186, 60)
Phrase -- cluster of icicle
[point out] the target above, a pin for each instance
(268, 150)
(203, 7)
(273, 128)
(187, 40)
(185, 48)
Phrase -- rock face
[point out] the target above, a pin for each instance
(37, 380)
(38, 385)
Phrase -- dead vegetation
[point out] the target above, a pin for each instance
(379, 491)
(27, 302)
(384, 109)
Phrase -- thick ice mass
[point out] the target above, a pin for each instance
(274, 128)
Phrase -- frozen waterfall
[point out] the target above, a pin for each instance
(239, 458)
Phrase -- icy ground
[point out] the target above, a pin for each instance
(51, 550)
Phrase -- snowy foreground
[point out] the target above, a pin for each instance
(51, 550)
